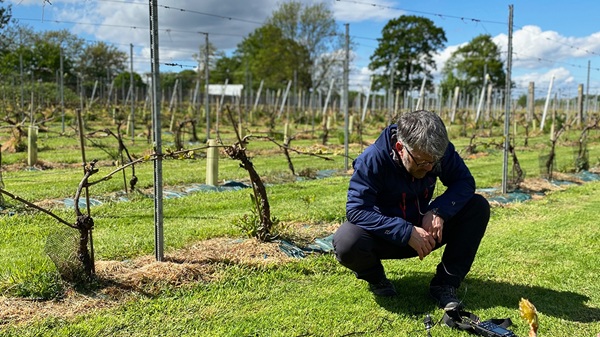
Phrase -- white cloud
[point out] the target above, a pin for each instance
(361, 80)
(37, 2)
(534, 48)
(539, 54)
(380, 11)
(542, 80)
(182, 23)
(442, 57)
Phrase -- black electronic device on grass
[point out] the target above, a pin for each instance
(489, 329)
(464, 320)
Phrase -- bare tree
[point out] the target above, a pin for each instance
(314, 27)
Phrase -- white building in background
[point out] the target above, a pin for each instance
(234, 90)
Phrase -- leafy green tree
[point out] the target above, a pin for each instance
(40, 53)
(272, 57)
(468, 65)
(70, 44)
(312, 27)
(229, 68)
(5, 15)
(406, 50)
(188, 79)
(10, 60)
(522, 101)
(45, 60)
(40, 61)
(122, 80)
(17, 34)
(101, 60)
(15, 43)
(168, 79)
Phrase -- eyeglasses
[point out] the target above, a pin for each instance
(423, 163)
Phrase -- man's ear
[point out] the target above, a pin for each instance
(399, 147)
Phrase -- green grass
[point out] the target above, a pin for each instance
(548, 257)
(544, 250)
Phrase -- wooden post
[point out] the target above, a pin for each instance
(481, 98)
(327, 98)
(32, 145)
(241, 130)
(286, 130)
(546, 104)
(421, 99)
(212, 163)
(284, 100)
(396, 102)
(454, 104)
(579, 109)
(531, 102)
(130, 127)
(488, 103)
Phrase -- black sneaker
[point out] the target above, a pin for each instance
(383, 288)
(445, 296)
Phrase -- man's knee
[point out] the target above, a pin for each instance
(347, 243)
(479, 208)
(473, 218)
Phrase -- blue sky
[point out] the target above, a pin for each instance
(550, 38)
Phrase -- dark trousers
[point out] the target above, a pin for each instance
(362, 252)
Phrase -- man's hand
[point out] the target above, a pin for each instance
(434, 225)
(421, 241)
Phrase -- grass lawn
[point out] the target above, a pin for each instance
(545, 250)
(548, 257)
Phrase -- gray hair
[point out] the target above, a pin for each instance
(423, 131)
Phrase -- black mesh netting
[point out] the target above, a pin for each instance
(581, 157)
(64, 249)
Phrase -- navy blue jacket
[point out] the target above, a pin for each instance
(384, 199)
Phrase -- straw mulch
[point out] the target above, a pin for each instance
(199, 262)
(124, 280)
(542, 185)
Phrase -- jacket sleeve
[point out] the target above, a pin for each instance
(362, 210)
(460, 184)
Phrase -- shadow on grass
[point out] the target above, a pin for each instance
(413, 298)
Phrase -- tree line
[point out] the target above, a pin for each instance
(298, 42)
